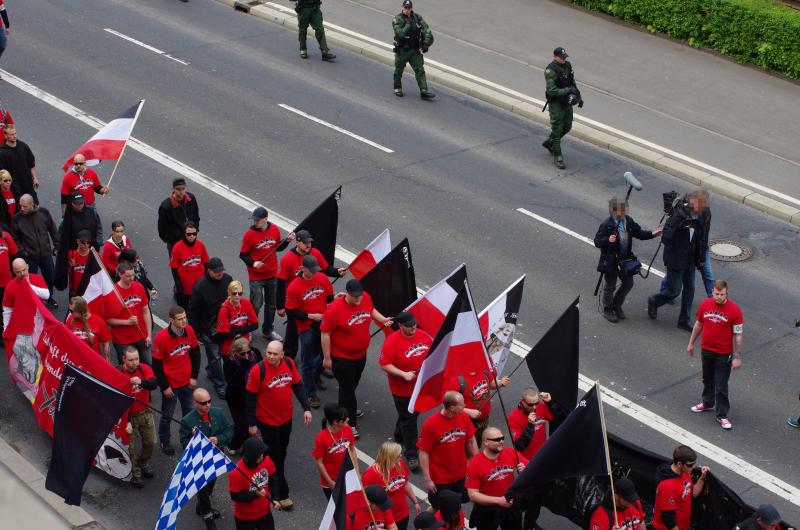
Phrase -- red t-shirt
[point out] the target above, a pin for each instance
(395, 489)
(348, 326)
(7, 249)
(493, 477)
(111, 253)
(135, 300)
(518, 420)
(11, 202)
(274, 392)
(258, 476)
(5, 117)
(309, 296)
(173, 352)
(363, 520)
(406, 354)
(445, 440)
(260, 244)
(332, 449)
(85, 184)
(96, 325)
(674, 494)
(720, 323)
(76, 268)
(629, 519)
(142, 372)
(292, 264)
(231, 316)
(190, 262)
(10, 294)
(476, 391)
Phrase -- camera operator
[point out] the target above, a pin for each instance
(614, 238)
(684, 250)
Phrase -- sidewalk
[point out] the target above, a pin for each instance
(741, 121)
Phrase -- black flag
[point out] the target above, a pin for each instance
(86, 410)
(322, 224)
(553, 362)
(577, 448)
(391, 283)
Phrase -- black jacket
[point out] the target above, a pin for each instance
(236, 372)
(35, 233)
(681, 253)
(609, 251)
(173, 216)
(207, 297)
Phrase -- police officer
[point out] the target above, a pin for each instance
(561, 93)
(412, 38)
(309, 12)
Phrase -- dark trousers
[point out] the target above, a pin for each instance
(405, 428)
(716, 372)
(262, 294)
(458, 487)
(290, 338)
(45, 267)
(262, 523)
(204, 500)
(277, 439)
(348, 373)
(678, 282)
(240, 426)
(327, 492)
(311, 366)
(402, 524)
(493, 517)
(612, 300)
(168, 405)
(214, 366)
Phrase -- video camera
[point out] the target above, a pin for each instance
(678, 209)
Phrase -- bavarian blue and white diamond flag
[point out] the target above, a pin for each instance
(200, 463)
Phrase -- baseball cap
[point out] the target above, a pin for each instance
(76, 197)
(259, 213)
(768, 514)
(377, 495)
(311, 263)
(560, 52)
(625, 488)
(407, 3)
(404, 318)
(304, 236)
(84, 235)
(427, 521)
(354, 288)
(215, 265)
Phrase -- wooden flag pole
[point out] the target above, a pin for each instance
(363, 491)
(113, 171)
(608, 456)
(119, 296)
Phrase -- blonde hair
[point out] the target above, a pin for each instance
(388, 458)
(235, 284)
(5, 174)
(239, 345)
(79, 305)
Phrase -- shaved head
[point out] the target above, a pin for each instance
(201, 394)
(491, 432)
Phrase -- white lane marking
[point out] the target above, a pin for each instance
(571, 233)
(144, 45)
(335, 127)
(650, 419)
(598, 125)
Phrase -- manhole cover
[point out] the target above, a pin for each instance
(729, 250)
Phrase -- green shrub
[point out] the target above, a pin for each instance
(761, 32)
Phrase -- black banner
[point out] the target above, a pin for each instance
(391, 283)
(323, 223)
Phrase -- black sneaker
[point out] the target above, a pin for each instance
(167, 449)
(147, 472)
(620, 313)
(609, 315)
(52, 302)
(214, 513)
(328, 373)
(328, 56)
(559, 162)
(548, 144)
(303, 54)
(685, 326)
(314, 401)
(359, 413)
(398, 92)
(427, 95)
(137, 482)
(652, 310)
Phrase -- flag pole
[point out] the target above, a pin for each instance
(119, 296)
(363, 491)
(608, 455)
(136, 117)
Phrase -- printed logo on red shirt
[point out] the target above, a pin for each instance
(359, 317)
(3, 246)
(192, 261)
(338, 446)
(416, 350)
(480, 388)
(265, 243)
(718, 317)
(452, 436)
(238, 321)
(181, 349)
(280, 381)
(500, 473)
(259, 480)
(78, 267)
(312, 293)
(132, 300)
(396, 483)
(83, 185)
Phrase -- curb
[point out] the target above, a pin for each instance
(581, 131)
(26, 473)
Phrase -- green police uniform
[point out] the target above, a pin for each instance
(412, 36)
(560, 84)
(309, 13)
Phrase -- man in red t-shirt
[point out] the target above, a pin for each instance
(629, 512)
(476, 388)
(306, 300)
(675, 491)
(720, 321)
(176, 363)
(77, 259)
(446, 437)
(530, 422)
(489, 475)
(377, 516)
(251, 489)
(270, 386)
(260, 246)
(345, 340)
(140, 418)
(133, 324)
(23, 279)
(80, 179)
(401, 358)
(188, 263)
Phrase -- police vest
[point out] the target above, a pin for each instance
(564, 78)
(412, 40)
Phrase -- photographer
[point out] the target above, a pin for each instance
(614, 238)
(684, 251)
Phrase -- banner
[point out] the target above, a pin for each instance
(499, 322)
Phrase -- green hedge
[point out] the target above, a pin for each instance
(761, 32)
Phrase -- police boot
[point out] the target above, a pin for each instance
(303, 54)
(548, 144)
(398, 92)
(425, 94)
(559, 162)
(328, 56)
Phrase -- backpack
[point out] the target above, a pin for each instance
(262, 370)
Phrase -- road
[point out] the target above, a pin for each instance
(458, 173)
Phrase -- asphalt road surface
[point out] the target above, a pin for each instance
(457, 174)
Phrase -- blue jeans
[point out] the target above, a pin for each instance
(716, 373)
(182, 394)
(43, 266)
(262, 293)
(706, 273)
(311, 350)
(2, 39)
(675, 283)
(214, 366)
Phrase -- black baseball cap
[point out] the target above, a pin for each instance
(625, 488)
(84, 235)
(304, 236)
(354, 288)
(560, 52)
(215, 265)
(377, 496)
(76, 197)
(427, 521)
(768, 514)
(260, 213)
(404, 318)
(407, 3)
(311, 263)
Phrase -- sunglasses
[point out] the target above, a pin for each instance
(531, 404)
(498, 439)
(237, 293)
(191, 234)
(80, 163)
(204, 403)
(6, 180)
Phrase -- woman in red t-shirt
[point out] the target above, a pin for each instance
(331, 446)
(91, 329)
(391, 473)
(114, 245)
(9, 200)
(236, 318)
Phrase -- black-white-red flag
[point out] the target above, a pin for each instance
(98, 289)
(499, 322)
(432, 307)
(391, 283)
(347, 496)
(109, 142)
(371, 255)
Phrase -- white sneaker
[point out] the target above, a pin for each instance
(725, 423)
(274, 336)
